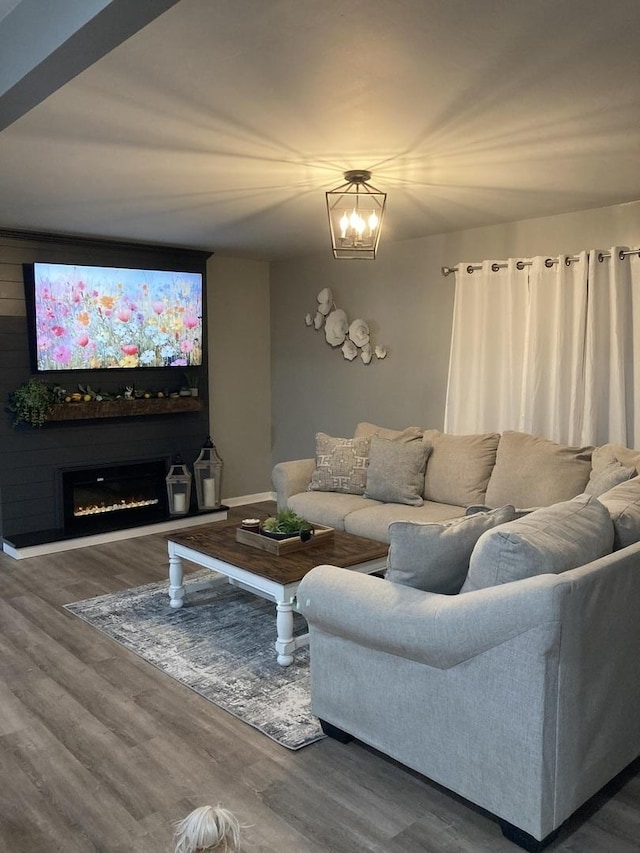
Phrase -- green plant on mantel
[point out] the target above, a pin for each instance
(31, 403)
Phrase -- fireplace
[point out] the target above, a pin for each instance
(113, 496)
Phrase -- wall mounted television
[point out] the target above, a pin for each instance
(104, 318)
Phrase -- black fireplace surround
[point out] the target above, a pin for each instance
(113, 496)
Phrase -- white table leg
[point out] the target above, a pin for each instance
(176, 589)
(285, 644)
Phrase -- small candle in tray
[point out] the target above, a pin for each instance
(252, 524)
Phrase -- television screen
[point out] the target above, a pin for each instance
(92, 318)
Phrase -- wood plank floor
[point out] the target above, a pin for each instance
(101, 752)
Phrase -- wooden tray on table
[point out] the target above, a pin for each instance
(283, 546)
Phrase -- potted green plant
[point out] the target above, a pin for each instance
(191, 379)
(284, 524)
(31, 403)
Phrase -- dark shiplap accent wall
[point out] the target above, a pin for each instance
(29, 458)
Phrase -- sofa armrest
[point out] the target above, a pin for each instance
(438, 630)
(290, 478)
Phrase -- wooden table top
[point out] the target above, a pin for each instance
(218, 540)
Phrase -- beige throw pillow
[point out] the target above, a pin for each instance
(396, 471)
(459, 467)
(533, 471)
(341, 465)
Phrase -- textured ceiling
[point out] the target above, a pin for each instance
(219, 125)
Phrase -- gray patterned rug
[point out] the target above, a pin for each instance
(220, 644)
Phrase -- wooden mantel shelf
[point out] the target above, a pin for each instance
(123, 408)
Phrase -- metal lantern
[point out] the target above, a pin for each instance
(178, 487)
(207, 470)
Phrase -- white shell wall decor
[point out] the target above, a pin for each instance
(349, 350)
(359, 333)
(336, 327)
(355, 337)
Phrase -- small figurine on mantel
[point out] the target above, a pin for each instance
(128, 392)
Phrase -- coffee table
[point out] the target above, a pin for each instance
(271, 576)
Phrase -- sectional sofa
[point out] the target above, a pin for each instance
(499, 655)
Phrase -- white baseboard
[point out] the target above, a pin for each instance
(250, 499)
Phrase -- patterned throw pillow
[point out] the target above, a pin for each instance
(341, 464)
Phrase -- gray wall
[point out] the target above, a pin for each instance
(408, 305)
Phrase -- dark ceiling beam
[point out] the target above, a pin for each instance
(44, 45)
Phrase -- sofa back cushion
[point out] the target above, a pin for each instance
(550, 540)
(367, 430)
(459, 467)
(341, 464)
(396, 471)
(607, 453)
(435, 556)
(534, 471)
(623, 503)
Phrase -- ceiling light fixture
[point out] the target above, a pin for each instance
(355, 211)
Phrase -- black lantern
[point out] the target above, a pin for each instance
(178, 487)
(207, 470)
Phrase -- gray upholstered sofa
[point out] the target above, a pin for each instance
(363, 484)
(497, 657)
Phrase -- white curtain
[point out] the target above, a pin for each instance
(486, 358)
(550, 349)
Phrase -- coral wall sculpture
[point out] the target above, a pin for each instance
(354, 338)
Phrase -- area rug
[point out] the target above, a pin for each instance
(220, 644)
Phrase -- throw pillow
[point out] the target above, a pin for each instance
(534, 471)
(606, 478)
(365, 429)
(550, 540)
(435, 557)
(623, 503)
(341, 465)
(459, 467)
(396, 471)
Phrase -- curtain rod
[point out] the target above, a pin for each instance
(548, 263)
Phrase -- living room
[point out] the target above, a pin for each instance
(273, 381)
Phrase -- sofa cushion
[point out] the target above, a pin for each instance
(550, 540)
(623, 503)
(435, 557)
(533, 471)
(607, 453)
(459, 467)
(341, 464)
(329, 508)
(603, 479)
(367, 430)
(396, 471)
(373, 521)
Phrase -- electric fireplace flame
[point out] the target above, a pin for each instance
(97, 509)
